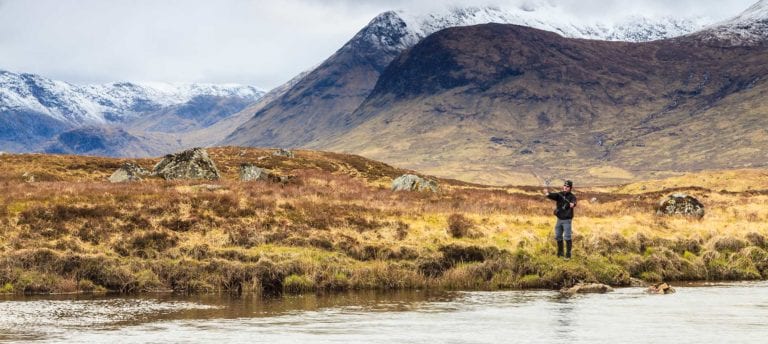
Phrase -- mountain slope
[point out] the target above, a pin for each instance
(505, 103)
(320, 103)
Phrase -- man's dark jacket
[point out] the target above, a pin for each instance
(563, 210)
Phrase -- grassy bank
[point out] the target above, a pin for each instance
(336, 226)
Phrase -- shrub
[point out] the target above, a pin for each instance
(459, 226)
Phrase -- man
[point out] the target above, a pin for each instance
(565, 201)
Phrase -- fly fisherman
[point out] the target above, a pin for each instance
(565, 201)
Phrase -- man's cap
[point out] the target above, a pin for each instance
(568, 183)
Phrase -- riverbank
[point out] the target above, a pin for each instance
(337, 226)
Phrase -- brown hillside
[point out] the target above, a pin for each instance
(506, 104)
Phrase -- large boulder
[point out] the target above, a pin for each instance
(681, 204)
(129, 172)
(411, 182)
(190, 164)
(588, 288)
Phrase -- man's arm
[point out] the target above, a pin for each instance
(551, 195)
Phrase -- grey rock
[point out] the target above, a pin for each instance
(284, 153)
(129, 172)
(588, 288)
(411, 182)
(249, 172)
(189, 164)
(681, 204)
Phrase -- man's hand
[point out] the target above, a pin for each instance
(572, 204)
(546, 191)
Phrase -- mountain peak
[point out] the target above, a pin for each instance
(748, 28)
(545, 16)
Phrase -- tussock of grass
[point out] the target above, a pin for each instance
(338, 227)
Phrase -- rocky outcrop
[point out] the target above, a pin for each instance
(129, 172)
(660, 288)
(249, 172)
(284, 153)
(411, 182)
(189, 164)
(681, 204)
(588, 288)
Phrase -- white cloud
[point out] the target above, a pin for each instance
(262, 43)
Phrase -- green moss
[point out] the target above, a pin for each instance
(607, 272)
(531, 281)
(295, 284)
(7, 288)
(687, 255)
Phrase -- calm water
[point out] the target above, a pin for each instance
(732, 313)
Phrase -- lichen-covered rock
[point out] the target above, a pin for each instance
(249, 172)
(28, 177)
(410, 182)
(129, 172)
(284, 153)
(660, 288)
(189, 164)
(681, 204)
(588, 288)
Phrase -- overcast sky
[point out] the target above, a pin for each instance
(257, 42)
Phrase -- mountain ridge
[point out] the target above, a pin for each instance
(318, 103)
(509, 102)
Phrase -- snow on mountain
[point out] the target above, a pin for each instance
(544, 16)
(748, 28)
(104, 103)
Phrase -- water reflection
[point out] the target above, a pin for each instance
(563, 309)
(734, 312)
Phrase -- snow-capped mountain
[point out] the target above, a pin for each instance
(103, 103)
(321, 103)
(544, 16)
(748, 28)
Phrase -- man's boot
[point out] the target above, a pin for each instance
(568, 245)
(559, 248)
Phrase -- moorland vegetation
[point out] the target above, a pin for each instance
(336, 225)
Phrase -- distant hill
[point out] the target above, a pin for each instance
(35, 110)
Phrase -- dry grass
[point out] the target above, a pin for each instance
(339, 227)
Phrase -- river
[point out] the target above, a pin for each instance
(703, 313)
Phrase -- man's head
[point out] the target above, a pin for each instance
(568, 185)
